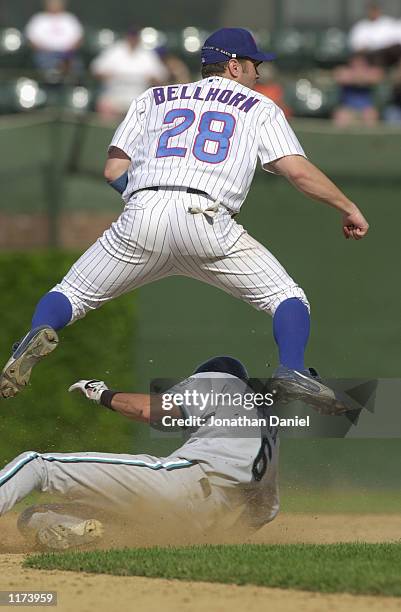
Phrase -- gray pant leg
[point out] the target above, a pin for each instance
(149, 490)
(67, 474)
(20, 477)
(160, 500)
(116, 482)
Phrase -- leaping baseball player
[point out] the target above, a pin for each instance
(219, 479)
(183, 160)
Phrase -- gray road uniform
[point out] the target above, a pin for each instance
(213, 480)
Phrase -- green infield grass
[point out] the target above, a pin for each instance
(369, 569)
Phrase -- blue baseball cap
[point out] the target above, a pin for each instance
(230, 43)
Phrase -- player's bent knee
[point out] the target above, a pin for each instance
(26, 457)
(79, 306)
(270, 303)
(295, 292)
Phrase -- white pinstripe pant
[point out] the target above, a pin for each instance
(156, 236)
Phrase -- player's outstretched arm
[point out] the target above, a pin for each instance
(142, 407)
(311, 181)
(136, 406)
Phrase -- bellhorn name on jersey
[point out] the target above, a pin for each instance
(204, 94)
(206, 135)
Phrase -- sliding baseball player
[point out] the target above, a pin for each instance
(221, 476)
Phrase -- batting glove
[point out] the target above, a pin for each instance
(91, 389)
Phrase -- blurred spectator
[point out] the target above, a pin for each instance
(392, 112)
(357, 81)
(55, 36)
(177, 70)
(126, 70)
(379, 35)
(270, 87)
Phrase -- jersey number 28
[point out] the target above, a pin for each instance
(203, 147)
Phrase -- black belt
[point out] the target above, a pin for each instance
(188, 190)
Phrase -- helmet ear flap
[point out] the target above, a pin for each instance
(224, 365)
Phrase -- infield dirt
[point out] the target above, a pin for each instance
(81, 592)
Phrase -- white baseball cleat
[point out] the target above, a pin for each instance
(63, 536)
(38, 343)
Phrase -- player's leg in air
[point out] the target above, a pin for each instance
(123, 259)
(245, 269)
(53, 312)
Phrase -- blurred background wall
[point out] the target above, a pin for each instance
(208, 14)
(171, 14)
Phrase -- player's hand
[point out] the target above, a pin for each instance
(355, 225)
(91, 389)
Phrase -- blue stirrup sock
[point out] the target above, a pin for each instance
(53, 309)
(291, 326)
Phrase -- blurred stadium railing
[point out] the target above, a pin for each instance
(302, 55)
(304, 63)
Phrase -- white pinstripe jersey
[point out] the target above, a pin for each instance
(206, 135)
